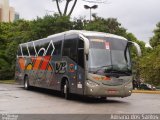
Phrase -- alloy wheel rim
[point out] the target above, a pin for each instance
(26, 85)
(65, 88)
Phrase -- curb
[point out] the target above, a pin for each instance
(146, 91)
(7, 81)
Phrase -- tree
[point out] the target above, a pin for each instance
(11, 35)
(95, 1)
(5, 63)
(43, 27)
(25, 31)
(150, 62)
(155, 40)
(4, 29)
(150, 67)
(21, 31)
(110, 25)
(5, 67)
(72, 6)
(66, 7)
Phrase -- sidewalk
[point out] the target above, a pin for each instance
(146, 91)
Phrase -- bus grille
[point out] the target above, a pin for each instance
(114, 82)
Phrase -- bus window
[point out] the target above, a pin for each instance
(41, 47)
(70, 49)
(24, 50)
(41, 52)
(57, 46)
(31, 49)
(81, 53)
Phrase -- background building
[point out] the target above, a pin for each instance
(11, 14)
(16, 16)
(7, 13)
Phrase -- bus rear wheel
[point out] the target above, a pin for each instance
(66, 90)
(26, 83)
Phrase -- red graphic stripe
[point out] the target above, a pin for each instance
(45, 62)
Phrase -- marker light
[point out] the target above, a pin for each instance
(101, 78)
(91, 83)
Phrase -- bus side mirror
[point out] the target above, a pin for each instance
(138, 49)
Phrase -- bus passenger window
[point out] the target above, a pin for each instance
(24, 50)
(57, 46)
(41, 47)
(70, 49)
(31, 49)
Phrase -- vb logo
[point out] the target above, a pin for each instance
(60, 67)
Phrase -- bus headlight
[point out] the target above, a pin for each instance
(130, 85)
(91, 83)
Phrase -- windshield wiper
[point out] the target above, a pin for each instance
(112, 70)
(101, 67)
(128, 72)
(117, 73)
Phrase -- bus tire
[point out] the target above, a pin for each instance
(26, 83)
(66, 90)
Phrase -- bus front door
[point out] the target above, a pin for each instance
(80, 69)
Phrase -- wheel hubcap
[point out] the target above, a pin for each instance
(26, 85)
(65, 88)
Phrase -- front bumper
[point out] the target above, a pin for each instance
(108, 91)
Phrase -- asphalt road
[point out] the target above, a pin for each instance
(14, 99)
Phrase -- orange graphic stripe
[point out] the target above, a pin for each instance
(45, 62)
(49, 68)
(22, 63)
(37, 63)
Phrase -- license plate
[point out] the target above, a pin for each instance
(112, 91)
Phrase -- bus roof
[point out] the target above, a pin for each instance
(89, 33)
(83, 32)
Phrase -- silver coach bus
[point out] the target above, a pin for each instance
(81, 62)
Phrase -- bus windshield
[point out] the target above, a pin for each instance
(109, 55)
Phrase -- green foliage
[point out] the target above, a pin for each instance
(7, 81)
(43, 27)
(110, 25)
(150, 67)
(149, 64)
(155, 40)
(5, 71)
(12, 34)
